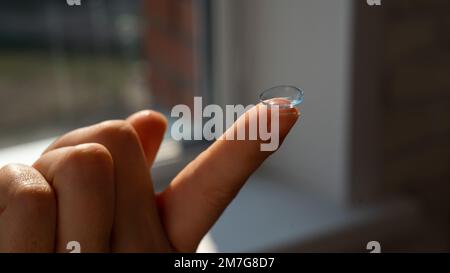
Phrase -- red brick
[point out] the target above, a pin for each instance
(168, 91)
(166, 50)
(177, 16)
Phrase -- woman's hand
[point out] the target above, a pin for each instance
(93, 186)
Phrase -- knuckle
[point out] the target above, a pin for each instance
(11, 170)
(88, 159)
(91, 153)
(32, 192)
(22, 174)
(118, 131)
(87, 171)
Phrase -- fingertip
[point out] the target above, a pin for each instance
(287, 115)
(150, 127)
(288, 118)
(146, 118)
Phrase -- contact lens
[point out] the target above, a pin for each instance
(291, 96)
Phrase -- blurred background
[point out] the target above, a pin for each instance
(369, 161)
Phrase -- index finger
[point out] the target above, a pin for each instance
(199, 194)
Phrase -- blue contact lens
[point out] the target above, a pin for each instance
(285, 96)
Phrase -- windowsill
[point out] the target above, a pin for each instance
(28, 153)
(270, 216)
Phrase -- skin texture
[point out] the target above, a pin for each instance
(93, 185)
(28, 218)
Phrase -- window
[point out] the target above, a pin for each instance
(62, 67)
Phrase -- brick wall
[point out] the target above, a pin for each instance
(172, 46)
(415, 99)
(401, 111)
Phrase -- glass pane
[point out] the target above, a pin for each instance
(63, 67)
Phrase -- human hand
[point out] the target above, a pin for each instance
(93, 185)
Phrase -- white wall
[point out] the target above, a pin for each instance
(305, 43)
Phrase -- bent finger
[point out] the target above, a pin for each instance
(136, 225)
(82, 177)
(150, 127)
